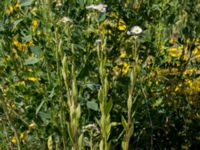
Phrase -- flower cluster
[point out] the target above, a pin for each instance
(100, 7)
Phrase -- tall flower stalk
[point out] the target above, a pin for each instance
(70, 82)
(105, 104)
(129, 123)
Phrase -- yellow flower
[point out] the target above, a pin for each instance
(116, 70)
(121, 25)
(188, 40)
(14, 140)
(175, 52)
(17, 6)
(30, 43)
(185, 57)
(197, 40)
(13, 105)
(16, 43)
(173, 40)
(196, 50)
(34, 24)
(38, 33)
(9, 10)
(189, 82)
(33, 78)
(22, 135)
(123, 54)
(125, 68)
(178, 87)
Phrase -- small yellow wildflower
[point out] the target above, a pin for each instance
(116, 70)
(34, 24)
(16, 43)
(14, 140)
(189, 82)
(9, 10)
(33, 79)
(38, 33)
(185, 57)
(30, 43)
(22, 135)
(197, 40)
(13, 105)
(123, 54)
(121, 25)
(17, 6)
(178, 87)
(188, 40)
(175, 52)
(196, 50)
(125, 68)
(173, 40)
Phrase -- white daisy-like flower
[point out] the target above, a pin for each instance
(66, 19)
(98, 41)
(100, 7)
(135, 30)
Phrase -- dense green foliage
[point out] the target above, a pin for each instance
(90, 74)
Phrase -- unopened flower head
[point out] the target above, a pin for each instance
(66, 19)
(135, 30)
(100, 7)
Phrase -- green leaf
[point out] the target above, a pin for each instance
(45, 117)
(2, 27)
(70, 132)
(102, 17)
(24, 3)
(17, 22)
(157, 102)
(124, 123)
(131, 130)
(39, 107)
(31, 61)
(36, 50)
(92, 105)
(27, 38)
(108, 106)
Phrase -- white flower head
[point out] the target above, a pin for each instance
(98, 41)
(66, 19)
(100, 7)
(135, 30)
